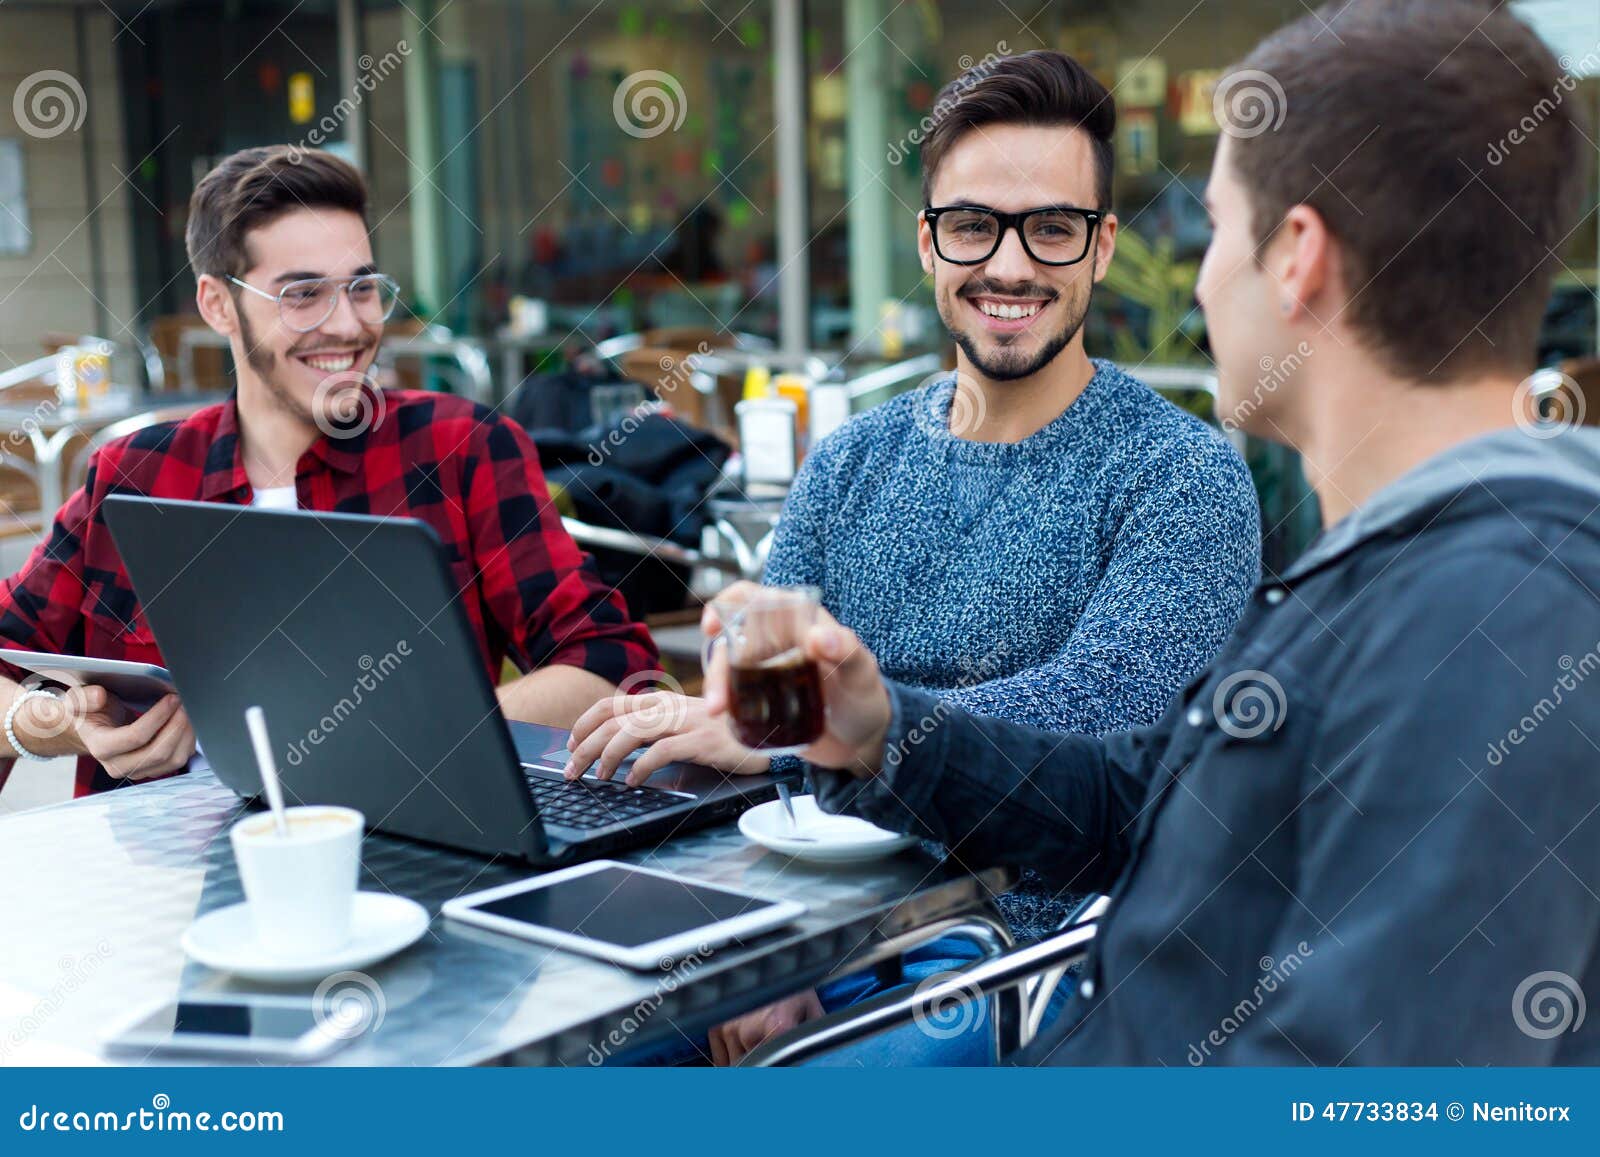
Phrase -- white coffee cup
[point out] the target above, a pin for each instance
(301, 887)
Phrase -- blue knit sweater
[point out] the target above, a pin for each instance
(1074, 580)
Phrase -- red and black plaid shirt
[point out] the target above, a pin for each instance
(531, 594)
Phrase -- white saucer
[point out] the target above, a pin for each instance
(818, 836)
(383, 925)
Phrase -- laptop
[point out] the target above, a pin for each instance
(349, 631)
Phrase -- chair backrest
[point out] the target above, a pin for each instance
(30, 381)
(54, 341)
(461, 361)
(155, 370)
(894, 378)
(679, 337)
(1195, 379)
(409, 375)
(208, 366)
(668, 373)
(121, 429)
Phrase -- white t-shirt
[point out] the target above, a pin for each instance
(275, 498)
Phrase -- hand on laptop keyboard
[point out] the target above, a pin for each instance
(594, 803)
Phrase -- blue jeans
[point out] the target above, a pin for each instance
(955, 1038)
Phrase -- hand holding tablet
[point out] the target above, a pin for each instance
(138, 685)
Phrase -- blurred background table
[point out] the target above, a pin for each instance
(50, 429)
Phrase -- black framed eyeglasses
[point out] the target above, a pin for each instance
(1052, 235)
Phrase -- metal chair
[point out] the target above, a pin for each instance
(193, 355)
(141, 348)
(1196, 379)
(645, 546)
(467, 363)
(1032, 972)
(614, 347)
(155, 369)
(40, 371)
(890, 376)
(79, 469)
(32, 383)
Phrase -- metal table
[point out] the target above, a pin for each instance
(744, 527)
(98, 891)
(50, 427)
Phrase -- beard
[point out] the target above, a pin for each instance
(265, 363)
(1009, 361)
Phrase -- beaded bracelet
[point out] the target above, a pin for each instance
(11, 715)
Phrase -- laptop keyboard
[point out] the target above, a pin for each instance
(594, 803)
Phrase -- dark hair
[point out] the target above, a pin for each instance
(1040, 88)
(254, 187)
(1393, 127)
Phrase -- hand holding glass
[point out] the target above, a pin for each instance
(774, 688)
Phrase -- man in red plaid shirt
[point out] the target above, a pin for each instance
(278, 242)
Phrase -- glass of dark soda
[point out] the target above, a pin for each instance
(774, 690)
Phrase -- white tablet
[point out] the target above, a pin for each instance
(640, 917)
(136, 684)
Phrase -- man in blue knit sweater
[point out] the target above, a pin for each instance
(1040, 537)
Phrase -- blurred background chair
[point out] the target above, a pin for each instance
(431, 357)
(78, 470)
(192, 356)
(141, 350)
(23, 389)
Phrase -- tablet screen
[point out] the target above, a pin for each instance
(621, 907)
